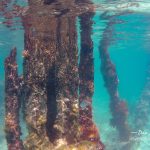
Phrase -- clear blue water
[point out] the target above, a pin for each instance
(129, 51)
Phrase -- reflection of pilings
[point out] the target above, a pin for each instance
(12, 127)
(86, 75)
(118, 107)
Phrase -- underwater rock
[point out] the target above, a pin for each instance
(12, 103)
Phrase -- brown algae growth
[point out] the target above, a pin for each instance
(48, 89)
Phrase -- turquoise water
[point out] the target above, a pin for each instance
(8, 40)
(129, 51)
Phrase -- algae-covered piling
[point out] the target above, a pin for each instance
(52, 104)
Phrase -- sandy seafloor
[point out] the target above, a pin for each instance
(129, 51)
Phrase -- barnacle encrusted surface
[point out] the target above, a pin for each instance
(50, 92)
(12, 103)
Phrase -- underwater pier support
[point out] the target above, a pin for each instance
(50, 83)
(86, 85)
(39, 78)
(118, 107)
(12, 103)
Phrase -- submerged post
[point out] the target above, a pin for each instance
(12, 103)
(118, 107)
(86, 77)
(51, 79)
(39, 78)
